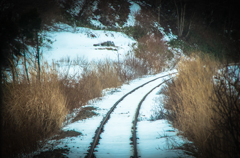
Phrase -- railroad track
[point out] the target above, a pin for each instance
(134, 127)
(107, 117)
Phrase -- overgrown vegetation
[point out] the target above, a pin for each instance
(152, 50)
(31, 111)
(35, 110)
(203, 103)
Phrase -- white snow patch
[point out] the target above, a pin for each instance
(134, 8)
(166, 37)
(80, 43)
(97, 24)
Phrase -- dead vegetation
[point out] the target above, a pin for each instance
(31, 111)
(153, 51)
(206, 110)
(85, 113)
(35, 110)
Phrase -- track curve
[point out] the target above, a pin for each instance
(134, 132)
(106, 118)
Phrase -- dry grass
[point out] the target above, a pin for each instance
(93, 77)
(31, 112)
(107, 72)
(189, 94)
(89, 82)
(196, 107)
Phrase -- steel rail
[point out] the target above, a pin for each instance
(134, 134)
(105, 119)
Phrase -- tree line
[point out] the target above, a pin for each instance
(222, 15)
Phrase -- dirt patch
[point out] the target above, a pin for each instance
(56, 153)
(64, 134)
(85, 113)
(60, 152)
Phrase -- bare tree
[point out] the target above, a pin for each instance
(180, 17)
(159, 10)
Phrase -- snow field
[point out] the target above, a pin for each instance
(134, 8)
(80, 43)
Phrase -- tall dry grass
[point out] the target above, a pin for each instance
(34, 110)
(31, 111)
(108, 75)
(88, 83)
(199, 107)
(92, 77)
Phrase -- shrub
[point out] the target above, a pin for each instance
(135, 31)
(107, 72)
(153, 51)
(134, 67)
(227, 109)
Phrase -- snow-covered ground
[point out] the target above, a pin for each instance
(155, 136)
(80, 43)
(115, 140)
(134, 8)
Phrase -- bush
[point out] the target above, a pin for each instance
(153, 51)
(177, 43)
(134, 31)
(227, 109)
(93, 77)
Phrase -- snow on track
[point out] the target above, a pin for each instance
(115, 140)
(155, 137)
(119, 126)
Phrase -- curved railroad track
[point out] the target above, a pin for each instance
(99, 130)
(134, 127)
